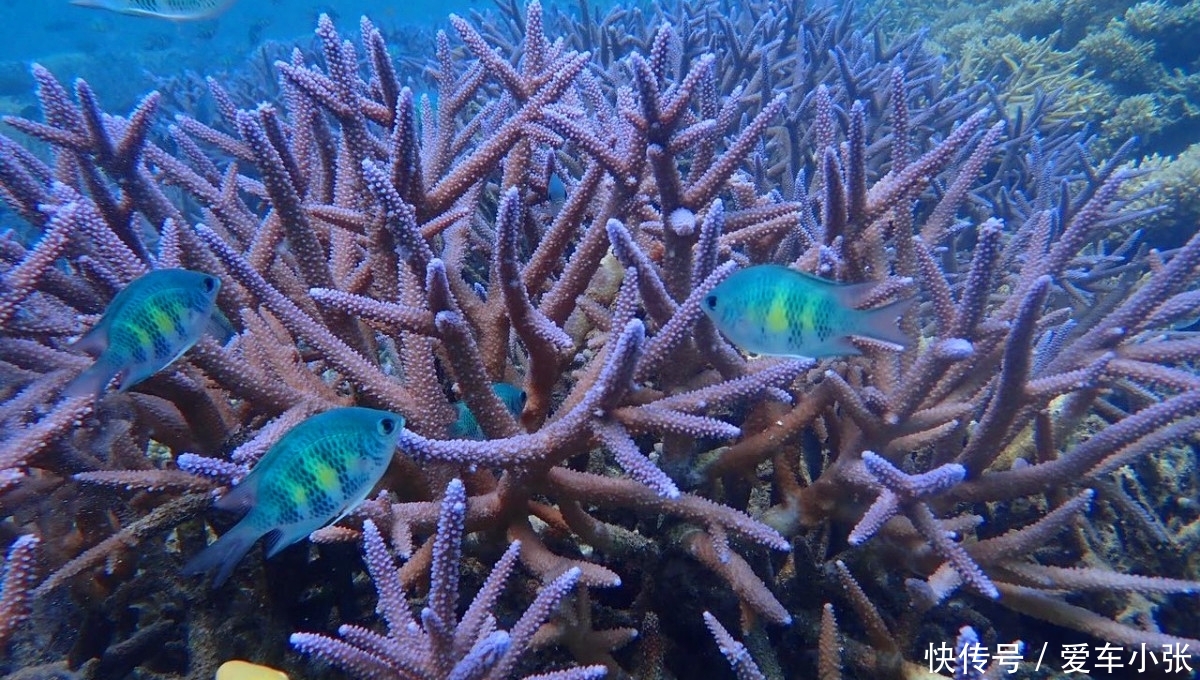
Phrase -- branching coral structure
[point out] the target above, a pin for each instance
(385, 247)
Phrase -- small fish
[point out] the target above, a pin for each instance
(172, 10)
(146, 327)
(466, 427)
(556, 189)
(312, 477)
(774, 310)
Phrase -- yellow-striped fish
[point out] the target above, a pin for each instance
(173, 10)
(146, 327)
(466, 427)
(774, 310)
(315, 475)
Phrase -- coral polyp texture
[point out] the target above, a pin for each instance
(548, 205)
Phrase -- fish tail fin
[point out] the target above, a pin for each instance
(465, 426)
(881, 323)
(224, 554)
(93, 380)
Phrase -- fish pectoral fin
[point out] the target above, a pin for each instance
(345, 510)
(350, 506)
(220, 327)
(341, 516)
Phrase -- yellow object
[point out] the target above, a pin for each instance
(244, 670)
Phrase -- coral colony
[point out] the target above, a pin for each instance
(549, 206)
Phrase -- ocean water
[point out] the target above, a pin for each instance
(124, 56)
(35, 30)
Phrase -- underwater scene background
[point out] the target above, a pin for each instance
(659, 340)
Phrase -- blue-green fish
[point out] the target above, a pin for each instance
(173, 10)
(147, 326)
(774, 310)
(466, 427)
(313, 476)
(556, 189)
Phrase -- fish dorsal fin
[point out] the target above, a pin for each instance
(854, 295)
(95, 341)
(849, 295)
(275, 452)
(241, 496)
(812, 277)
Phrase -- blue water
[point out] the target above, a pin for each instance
(124, 56)
(32, 29)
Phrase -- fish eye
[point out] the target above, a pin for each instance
(387, 425)
(523, 396)
(711, 301)
(209, 283)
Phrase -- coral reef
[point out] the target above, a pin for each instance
(663, 495)
(1106, 53)
(443, 645)
(1168, 186)
(1124, 68)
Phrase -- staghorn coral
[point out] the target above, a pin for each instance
(376, 248)
(1167, 186)
(442, 645)
(1127, 69)
(1093, 57)
(1124, 61)
(1170, 25)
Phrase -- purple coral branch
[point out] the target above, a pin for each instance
(16, 585)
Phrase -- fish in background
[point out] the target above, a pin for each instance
(312, 477)
(775, 310)
(147, 326)
(556, 189)
(466, 427)
(172, 10)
